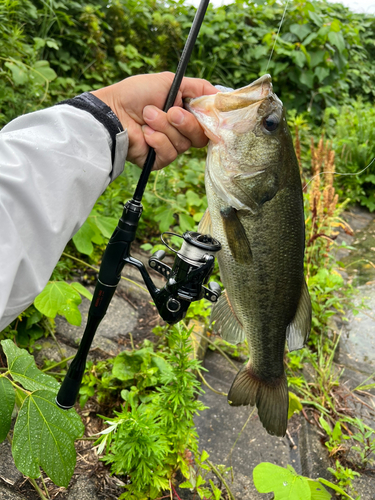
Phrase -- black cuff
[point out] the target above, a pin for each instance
(103, 113)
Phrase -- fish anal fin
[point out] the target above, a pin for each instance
(226, 320)
(237, 239)
(205, 225)
(298, 330)
(271, 399)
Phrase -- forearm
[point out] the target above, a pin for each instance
(54, 164)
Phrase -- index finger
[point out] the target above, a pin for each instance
(196, 87)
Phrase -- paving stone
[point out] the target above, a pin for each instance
(8, 471)
(357, 345)
(8, 494)
(51, 352)
(83, 489)
(219, 426)
(120, 319)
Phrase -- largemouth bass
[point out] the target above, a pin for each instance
(255, 210)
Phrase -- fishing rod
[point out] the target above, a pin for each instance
(192, 267)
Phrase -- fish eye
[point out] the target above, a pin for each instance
(271, 122)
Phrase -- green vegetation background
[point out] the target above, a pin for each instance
(321, 67)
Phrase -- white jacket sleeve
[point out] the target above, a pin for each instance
(54, 164)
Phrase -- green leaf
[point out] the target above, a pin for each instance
(43, 72)
(52, 44)
(309, 39)
(23, 369)
(284, 483)
(314, 17)
(333, 486)
(337, 40)
(318, 492)
(301, 30)
(321, 73)
(307, 78)
(295, 405)
(299, 58)
(44, 437)
(59, 297)
(7, 399)
(187, 222)
(106, 225)
(204, 455)
(165, 219)
(82, 239)
(186, 484)
(19, 72)
(81, 289)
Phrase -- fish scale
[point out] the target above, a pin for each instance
(255, 210)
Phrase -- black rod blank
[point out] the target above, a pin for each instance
(180, 72)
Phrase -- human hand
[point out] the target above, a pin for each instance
(138, 102)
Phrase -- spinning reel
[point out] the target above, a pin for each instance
(192, 267)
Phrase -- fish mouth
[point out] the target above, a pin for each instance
(233, 109)
(245, 96)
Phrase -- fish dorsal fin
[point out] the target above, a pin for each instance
(205, 225)
(237, 239)
(226, 321)
(298, 330)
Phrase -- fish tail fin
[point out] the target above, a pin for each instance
(271, 399)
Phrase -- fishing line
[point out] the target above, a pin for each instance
(337, 173)
(277, 34)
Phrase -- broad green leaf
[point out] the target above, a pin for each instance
(44, 437)
(106, 225)
(314, 17)
(58, 297)
(128, 363)
(204, 455)
(337, 40)
(52, 44)
(43, 72)
(187, 222)
(81, 289)
(71, 312)
(309, 39)
(299, 58)
(19, 72)
(317, 58)
(307, 78)
(165, 219)
(23, 369)
(7, 401)
(301, 30)
(333, 486)
(321, 73)
(318, 492)
(284, 483)
(295, 405)
(82, 239)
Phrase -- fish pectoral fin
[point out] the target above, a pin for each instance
(270, 397)
(298, 330)
(238, 242)
(226, 321)
(205, 225)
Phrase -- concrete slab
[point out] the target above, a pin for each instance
(120, 319)
(8, 471)
(8, 494)
(357, 345)
(219, 428)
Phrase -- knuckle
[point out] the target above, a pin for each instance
(182, 145)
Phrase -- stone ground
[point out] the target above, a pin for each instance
(220, 425)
